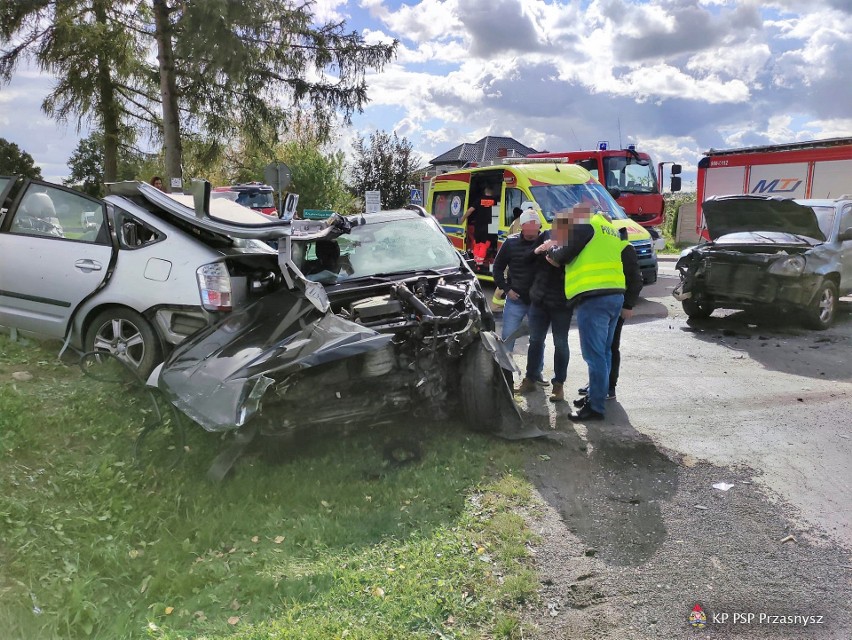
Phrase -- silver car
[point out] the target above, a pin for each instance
(133, 273)
(793, 255)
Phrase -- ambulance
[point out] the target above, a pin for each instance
(547, 185)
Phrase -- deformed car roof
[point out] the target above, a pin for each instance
(744, 213)
(233, 223)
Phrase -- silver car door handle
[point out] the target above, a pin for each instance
(88, 265)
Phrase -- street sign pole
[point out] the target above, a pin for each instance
(277, 175)
(280, 196)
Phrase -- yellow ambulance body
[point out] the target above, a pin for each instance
(548, 185)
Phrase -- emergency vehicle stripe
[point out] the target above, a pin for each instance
(453, 177)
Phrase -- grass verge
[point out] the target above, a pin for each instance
(330, 543)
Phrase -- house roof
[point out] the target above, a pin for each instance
(484, 150)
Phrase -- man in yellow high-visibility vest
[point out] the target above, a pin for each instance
(603, 281)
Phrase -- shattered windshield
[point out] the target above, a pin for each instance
(373, 249)
(629, 175)
(559, 197)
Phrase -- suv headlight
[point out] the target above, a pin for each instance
(789, 266)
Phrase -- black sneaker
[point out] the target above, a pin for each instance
(610, 395)
(583, 391)
(585, 414)
(580, 402)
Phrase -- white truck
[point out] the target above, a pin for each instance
(814, 169)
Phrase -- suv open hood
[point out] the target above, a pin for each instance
(737, 214)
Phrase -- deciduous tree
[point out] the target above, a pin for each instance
(16, 161)
(384, 163)
(87, 165)
(317, 170)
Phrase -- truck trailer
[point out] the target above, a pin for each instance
(813, 169)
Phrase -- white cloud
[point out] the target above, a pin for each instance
(328, 10)
(824, 38)
(680, 76)
(778, 129)
(745, 62)
(662, 81)
(420, 22)
(833, 128)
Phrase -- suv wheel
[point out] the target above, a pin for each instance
(820, 313)
(128, 336)
(698, 308)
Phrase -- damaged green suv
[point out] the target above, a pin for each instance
(793, 255)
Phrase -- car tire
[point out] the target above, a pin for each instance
(128, 336)
(480, 377)
(820, 313)
(697, 308)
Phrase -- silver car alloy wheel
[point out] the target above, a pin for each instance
(122, 339)
(826, 305)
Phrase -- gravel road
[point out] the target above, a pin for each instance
(632, 532)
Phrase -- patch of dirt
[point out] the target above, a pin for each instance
(632, 538)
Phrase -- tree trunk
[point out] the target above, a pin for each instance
(168, 93)
(108, 105)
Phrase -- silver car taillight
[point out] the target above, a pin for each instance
(214, 283)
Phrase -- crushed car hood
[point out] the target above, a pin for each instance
(219, 376)
(743, 214)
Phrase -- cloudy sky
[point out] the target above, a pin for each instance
(675, 77)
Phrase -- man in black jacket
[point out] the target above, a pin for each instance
(514, 258)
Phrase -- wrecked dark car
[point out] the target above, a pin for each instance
(377, 319)
(791, 255)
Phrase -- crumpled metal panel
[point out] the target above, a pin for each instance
(218, 377)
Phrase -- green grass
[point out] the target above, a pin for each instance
(672, 247)
(673, 201)
(329, 543)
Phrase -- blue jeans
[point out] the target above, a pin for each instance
(541, 319)
(597, 317)
(514, 312)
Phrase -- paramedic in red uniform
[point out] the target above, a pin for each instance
(479, 216)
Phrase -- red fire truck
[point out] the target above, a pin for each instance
(629, 176)
(814, 169)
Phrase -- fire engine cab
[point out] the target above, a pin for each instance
(630, 176)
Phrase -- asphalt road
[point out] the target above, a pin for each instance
(633, 534)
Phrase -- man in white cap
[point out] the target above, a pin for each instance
(514, 268)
